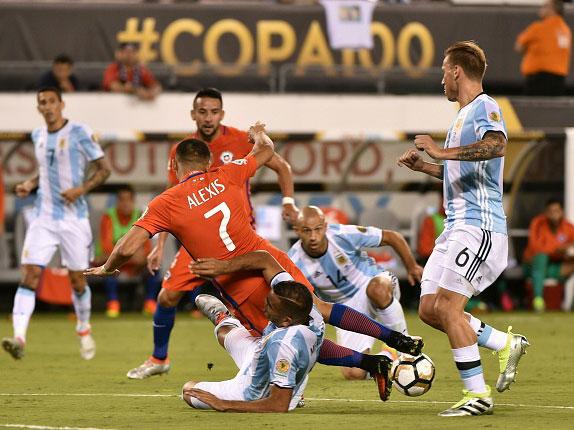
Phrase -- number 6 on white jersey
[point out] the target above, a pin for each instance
(224, 209)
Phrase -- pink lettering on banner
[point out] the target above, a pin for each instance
(118, 158)
(333, 154)
(372, 154)
(296, 163)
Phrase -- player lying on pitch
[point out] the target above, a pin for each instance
(274, 368)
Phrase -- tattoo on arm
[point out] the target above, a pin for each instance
(101, 173)
(434, 170)
(493, 145)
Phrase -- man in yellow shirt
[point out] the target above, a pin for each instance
(545, 45)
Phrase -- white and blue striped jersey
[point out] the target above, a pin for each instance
(345, 268)
(284, 356)
(473, 189)
(62, 160)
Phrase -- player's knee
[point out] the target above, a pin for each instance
(353, 374)
(31, 275)
(426, 312)
(380, 291)
(185, 392)
(77, 280)
(444, 310)
(167, 300)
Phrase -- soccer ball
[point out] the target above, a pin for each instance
(413, 376)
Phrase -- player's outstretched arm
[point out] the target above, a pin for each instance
(397, 241)
(255, 260)
(126, 247)
(277, 401)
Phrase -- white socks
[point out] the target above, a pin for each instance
(487, 336)
(467, 360)
(83, 307)
(24, 304)
(393, 317)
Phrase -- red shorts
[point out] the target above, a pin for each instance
(245, 292)
(178, 277)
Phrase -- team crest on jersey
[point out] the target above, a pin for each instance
(362, 229)
(494, 116)
(341, 259)
(282, 366)
(458, 123)
(226, 157)
(62, 143)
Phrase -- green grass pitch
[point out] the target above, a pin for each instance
(53, 388)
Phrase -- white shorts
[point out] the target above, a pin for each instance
(72, 236)
(466, 260)
(361, 303)
(241, 346)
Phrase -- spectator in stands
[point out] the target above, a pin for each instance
(545, 46)
(127, 75)
(61, 76)
(550, 250)
(114, 224)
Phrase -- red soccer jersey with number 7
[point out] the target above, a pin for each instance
(206, 212)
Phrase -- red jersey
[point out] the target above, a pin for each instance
(231, 144)
(205, 212)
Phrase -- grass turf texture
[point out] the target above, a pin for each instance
(52, 365)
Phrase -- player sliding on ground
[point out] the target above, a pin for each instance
(206, 213)
(274, 368)
(473, 249)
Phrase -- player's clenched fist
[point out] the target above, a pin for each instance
(424, 142)
(411, 159)
(257, 134)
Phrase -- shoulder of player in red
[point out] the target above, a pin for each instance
(237, 172)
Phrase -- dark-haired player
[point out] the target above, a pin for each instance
(64, 150)
(225, 144)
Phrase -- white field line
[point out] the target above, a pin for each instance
(316, 399)
(29, 426)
